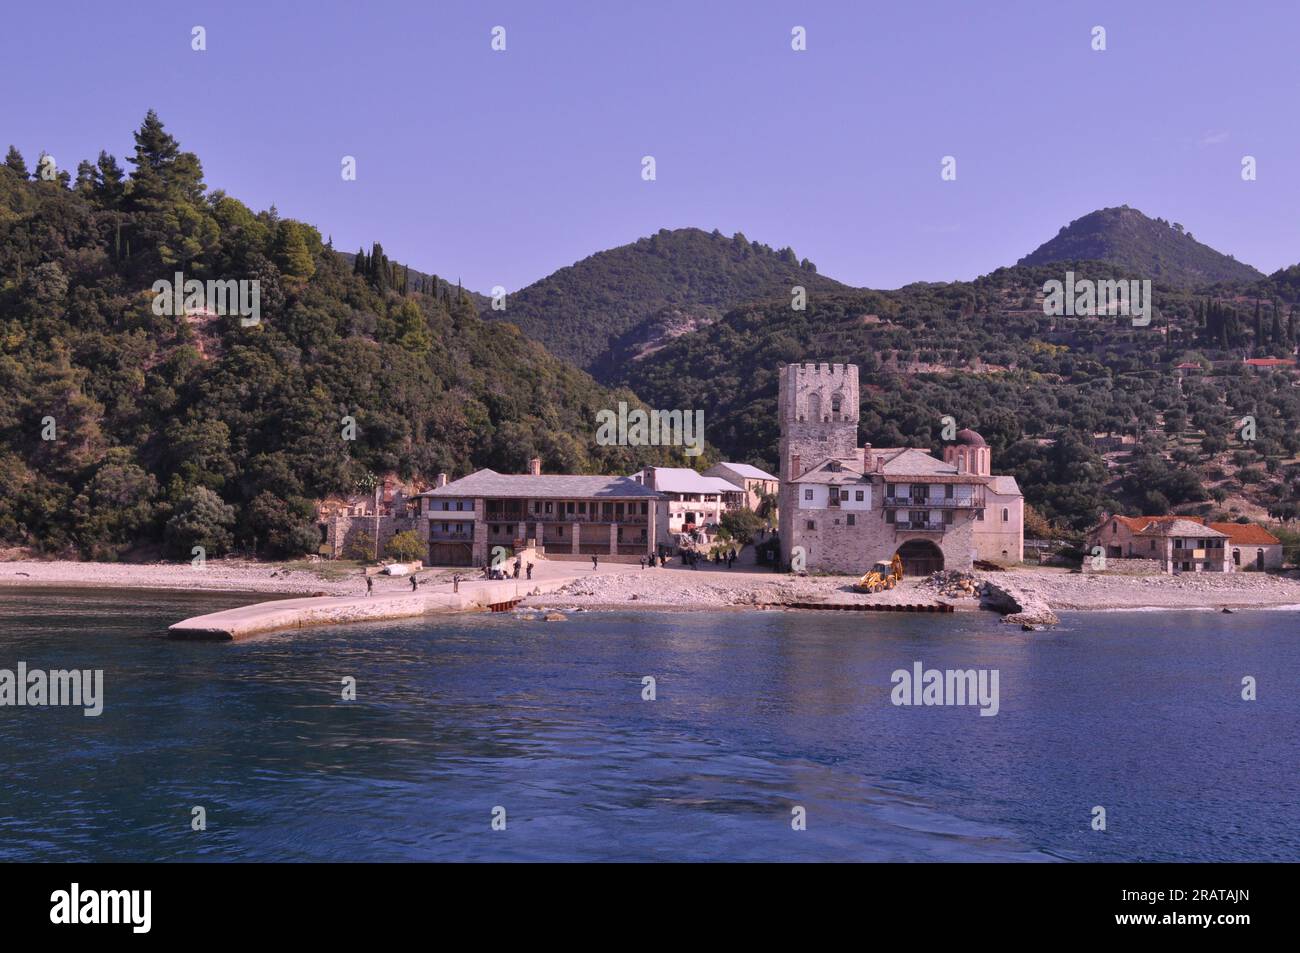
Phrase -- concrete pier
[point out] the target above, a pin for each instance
(240, 623)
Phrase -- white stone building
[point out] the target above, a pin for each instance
(847, 507)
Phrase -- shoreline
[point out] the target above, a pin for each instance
(680, 589)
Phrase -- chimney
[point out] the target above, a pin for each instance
(442, 479)
(535, 466)
(880, 464)
(649, 480)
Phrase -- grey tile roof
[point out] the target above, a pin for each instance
(547, 486)
(747, 471)
(1181, 528)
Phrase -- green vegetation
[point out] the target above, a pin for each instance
(127, 431)
(404, 547)
(1038, 388)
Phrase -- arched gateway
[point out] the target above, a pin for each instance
(920, 557)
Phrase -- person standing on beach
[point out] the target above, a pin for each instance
(594, 563)
(414, 583)
(455, 582)
(530, 570)
(642, 561)
(370, 585)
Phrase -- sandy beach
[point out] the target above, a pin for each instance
(679, 588)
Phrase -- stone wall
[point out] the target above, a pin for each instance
(1118, 566)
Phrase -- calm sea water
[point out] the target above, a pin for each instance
(756, 713)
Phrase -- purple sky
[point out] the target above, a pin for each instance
(501, 167)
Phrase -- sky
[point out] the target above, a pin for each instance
(498, 167)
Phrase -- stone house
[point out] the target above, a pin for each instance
(464, 521)
(1246, 546)
(347, 521)
(751, 479)
(846, 507)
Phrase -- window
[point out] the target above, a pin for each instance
(857, 496)
(844, 494)
(947, 491)
(812, 524)
(979, 516)
(1006, 515)
(889, 516)
(947, 517)
(836, 401)
(807, 494)
(890, 490)
(852, 520)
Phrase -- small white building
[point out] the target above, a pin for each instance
(755, 482)
(688, 501)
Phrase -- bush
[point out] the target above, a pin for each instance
(742, 525)
(200, 519)
(404, 547)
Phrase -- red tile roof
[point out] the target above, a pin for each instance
(1246, 534)
(1239, 534)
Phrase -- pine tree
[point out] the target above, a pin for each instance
(15, 163)
(109, 180)
(291, 253)
(359, 262)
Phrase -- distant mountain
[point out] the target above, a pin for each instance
(615, 305)
(1037, 388)
(1145, 247)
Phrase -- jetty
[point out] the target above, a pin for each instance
(279, 614)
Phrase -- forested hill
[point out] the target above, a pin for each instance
(121, 427)
(614, 304)
(1142, 247)
(1037, 388)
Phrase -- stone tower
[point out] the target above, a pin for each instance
(817, 405)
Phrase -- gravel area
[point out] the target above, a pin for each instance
(681, 588)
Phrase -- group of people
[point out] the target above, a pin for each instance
(370, 584)
(692, 558)
(653, 560)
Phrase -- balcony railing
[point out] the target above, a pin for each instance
(635, 518)
(935, 503)
(440, 537)
(924, 527)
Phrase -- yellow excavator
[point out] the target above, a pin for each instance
(882, 576)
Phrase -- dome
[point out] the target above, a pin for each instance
(969, 438)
